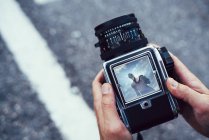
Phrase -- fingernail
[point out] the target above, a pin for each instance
(172, 82)
(106, 89)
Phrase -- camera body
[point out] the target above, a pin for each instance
(138, 72)
(149, 107)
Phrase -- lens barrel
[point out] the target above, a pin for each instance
(119, 36)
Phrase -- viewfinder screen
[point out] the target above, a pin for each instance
(136, 79)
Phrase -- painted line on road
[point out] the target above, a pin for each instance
(74, 119)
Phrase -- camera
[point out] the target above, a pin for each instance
(138, 72)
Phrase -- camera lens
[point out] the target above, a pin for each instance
(118, 36)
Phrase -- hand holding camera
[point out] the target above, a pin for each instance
(191, 90)
(110, 125)
(195, 96)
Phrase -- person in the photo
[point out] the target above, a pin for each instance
(140, 84)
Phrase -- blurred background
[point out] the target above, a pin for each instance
(48, 61)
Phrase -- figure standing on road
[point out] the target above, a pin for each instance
(140, 84)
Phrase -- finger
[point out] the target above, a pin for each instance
(187, 77)
(183, 72)
(108, 106)
(96, 87)
(184, 93)
(99, 79)
(97, 95)
(154, 45)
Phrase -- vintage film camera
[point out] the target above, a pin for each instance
(138, 72)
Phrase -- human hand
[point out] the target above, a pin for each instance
(194, 94)
(110, 125)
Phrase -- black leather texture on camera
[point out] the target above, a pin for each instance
(159, 112)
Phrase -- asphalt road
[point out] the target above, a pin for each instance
(68, 28)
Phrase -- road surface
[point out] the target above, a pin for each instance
(63, 32)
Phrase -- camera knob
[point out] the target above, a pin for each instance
(167, 60)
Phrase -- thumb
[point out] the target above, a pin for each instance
(108, 104)
(183, 92)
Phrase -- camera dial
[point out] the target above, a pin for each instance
(119, 36)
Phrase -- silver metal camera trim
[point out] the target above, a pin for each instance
(165, 76)
(138, 57)
(144, 54)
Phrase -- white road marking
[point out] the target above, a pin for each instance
(42, 2)
(72, 116)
